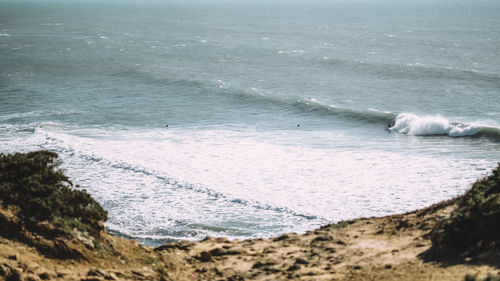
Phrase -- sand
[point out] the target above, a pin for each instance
(387, 248)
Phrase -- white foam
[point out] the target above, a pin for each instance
(311, 100)
(412, 124)
(251, 184)
(462, 130)
(291, 52)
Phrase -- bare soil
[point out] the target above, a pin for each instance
(387, 248)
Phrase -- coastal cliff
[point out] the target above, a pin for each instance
(456, 239)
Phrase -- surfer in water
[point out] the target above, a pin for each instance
(390, 125)
(166, 126)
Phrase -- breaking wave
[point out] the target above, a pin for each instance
(412, 124)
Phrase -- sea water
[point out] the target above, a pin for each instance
(282, 115)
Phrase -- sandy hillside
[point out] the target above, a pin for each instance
(388, 248)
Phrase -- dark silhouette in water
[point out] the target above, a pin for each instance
(389, 125)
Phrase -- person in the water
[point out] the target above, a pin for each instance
(390, 125)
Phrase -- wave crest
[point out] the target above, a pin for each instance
(412, 124)
(369, 115)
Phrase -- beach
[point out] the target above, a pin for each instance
(52, 231)
(387, 248)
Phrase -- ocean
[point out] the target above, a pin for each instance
(282, 116)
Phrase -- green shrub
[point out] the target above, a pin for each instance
(42, 192)
(474, 225)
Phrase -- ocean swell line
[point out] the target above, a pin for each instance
(369, 115)
(412, 71)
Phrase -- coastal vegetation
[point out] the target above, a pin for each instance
(50, 231)
(474, 225)
(32, 183)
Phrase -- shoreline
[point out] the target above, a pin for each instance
(49, 231)
(378, 248)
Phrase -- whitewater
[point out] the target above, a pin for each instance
(282, 117)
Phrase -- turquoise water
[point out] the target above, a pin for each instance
(278, 112)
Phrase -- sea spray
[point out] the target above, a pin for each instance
(412, 124)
